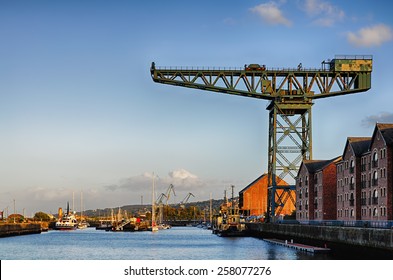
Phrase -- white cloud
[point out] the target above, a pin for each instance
(371, 36)
(383, 117)
(326, 13)
(182, 174)
(181, 178)
(271, 14)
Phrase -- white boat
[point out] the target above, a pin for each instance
(82, 223)
(67, 221)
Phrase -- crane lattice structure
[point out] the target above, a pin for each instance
(291, 92)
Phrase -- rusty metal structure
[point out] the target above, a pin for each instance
(291, 92)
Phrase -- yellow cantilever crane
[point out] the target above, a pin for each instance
(291, 92)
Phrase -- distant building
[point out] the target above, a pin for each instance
(316, 190)
(253, 198)
(349, 179)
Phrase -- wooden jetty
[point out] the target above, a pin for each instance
(298, 246)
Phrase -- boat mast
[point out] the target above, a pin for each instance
(81, 208)
(232, 202)
(153, 216)
(210, 210)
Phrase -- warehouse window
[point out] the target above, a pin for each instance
(375, 159)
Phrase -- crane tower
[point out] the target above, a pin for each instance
(291, 92)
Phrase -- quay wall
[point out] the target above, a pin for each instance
(381, 239)
(10, 229)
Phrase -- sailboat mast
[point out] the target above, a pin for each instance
(81, 206)
(211, 209)
(153, 216)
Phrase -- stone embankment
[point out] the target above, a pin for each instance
(11, 229)
(381, 239)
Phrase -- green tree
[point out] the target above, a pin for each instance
(41, 216)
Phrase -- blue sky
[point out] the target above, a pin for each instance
(79, 111)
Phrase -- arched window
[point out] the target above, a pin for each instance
(375, 197)
(352, 166)
(375, 178)
(375, 159)
(375, 212)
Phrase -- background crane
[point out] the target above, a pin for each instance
(291, 92)
(160, 201)
(185, 200)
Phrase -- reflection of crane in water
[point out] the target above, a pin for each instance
(185, 200)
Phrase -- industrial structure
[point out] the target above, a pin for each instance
(291, 92)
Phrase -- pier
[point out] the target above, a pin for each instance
(298, 246)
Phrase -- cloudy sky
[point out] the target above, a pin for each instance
(80, 113)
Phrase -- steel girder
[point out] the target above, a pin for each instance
(290, 142)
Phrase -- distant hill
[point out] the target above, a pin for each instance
(134, 209)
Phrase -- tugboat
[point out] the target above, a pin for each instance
(67, 221)
(229, 222)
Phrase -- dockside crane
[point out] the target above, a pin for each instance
(185, 200)
(291, 92)
(160, 201)
(171, 189)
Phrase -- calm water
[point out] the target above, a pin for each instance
(182, 243)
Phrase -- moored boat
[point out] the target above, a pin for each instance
(229, 222)
(67, 221)
(83, 225)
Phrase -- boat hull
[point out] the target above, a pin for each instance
(66, 227)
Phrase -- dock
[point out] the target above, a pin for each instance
(8, 229)
(298, 246)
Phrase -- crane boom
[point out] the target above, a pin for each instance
(342, 75)
(185, 200)
(171, 189)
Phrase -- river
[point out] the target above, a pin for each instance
(177, 243)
